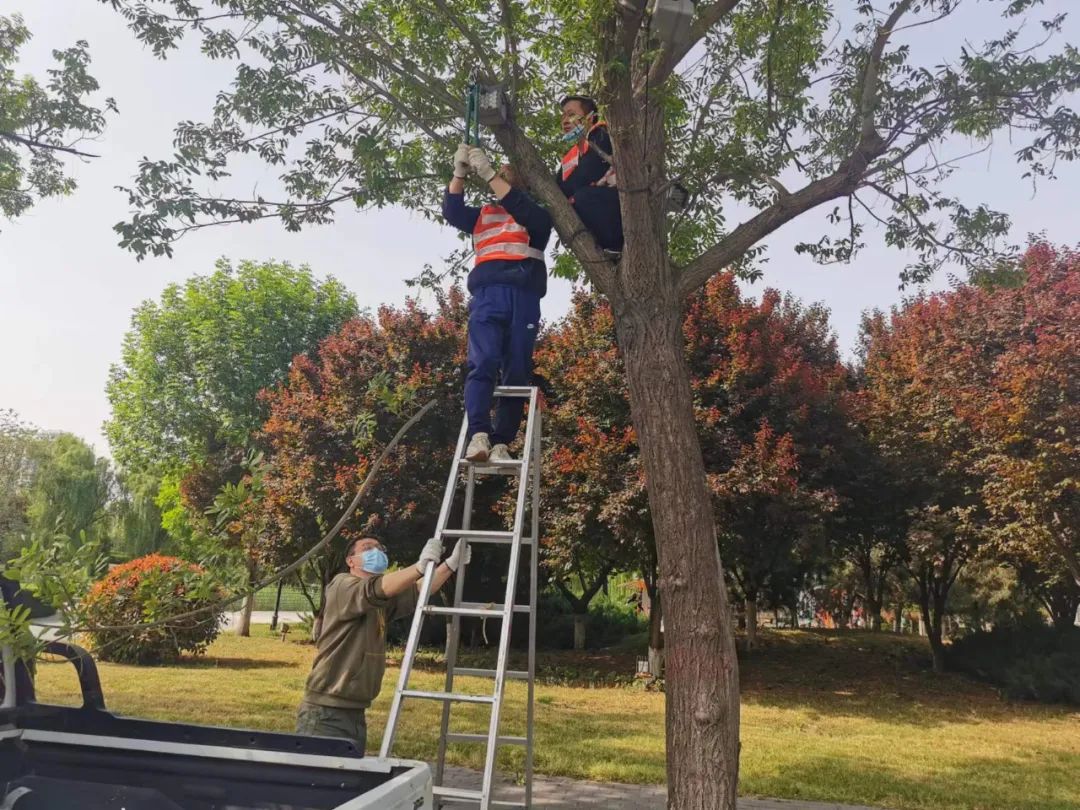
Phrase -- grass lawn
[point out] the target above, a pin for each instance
(845, 717)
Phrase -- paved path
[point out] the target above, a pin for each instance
(558, 793)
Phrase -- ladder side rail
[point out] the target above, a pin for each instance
(453, 635)
(536, 474)
(425, 593)
(508, 606)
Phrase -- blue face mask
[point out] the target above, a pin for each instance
(375, 560)
(574, 134)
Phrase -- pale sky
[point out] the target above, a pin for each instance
(67, 290)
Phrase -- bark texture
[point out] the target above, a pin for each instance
(702, 670)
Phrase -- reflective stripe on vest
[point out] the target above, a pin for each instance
(497, 235)
(571, 159)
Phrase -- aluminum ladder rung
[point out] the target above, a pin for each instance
(465, 795)
(483, 738)
(517, 608)
(512, 467)
(456, 697)
(474, 536)
(480, 612)
(513, 391)
(474, 672)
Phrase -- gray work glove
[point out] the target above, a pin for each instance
(432, 553)
(480, 163)
(462, 168)
(461, 555)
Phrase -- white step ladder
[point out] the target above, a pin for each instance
(527, 471)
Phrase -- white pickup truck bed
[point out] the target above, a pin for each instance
(86, 758)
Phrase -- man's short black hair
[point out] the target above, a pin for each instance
(588, 103)
(367, 536)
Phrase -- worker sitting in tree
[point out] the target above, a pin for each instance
(587, 175)
(507, 282)
(350, 660)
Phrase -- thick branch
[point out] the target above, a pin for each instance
(842, 182)
(511, 41)
(845, 180)
(868, 95)
(571, 230)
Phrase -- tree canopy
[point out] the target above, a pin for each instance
(194, 361)
(42, 125)
(780, 107)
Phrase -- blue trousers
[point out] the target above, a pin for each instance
(503, 321)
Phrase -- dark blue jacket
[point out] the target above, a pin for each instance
(528, 273)
(598, 206)
(591, 167)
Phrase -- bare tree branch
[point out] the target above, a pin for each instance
(34, 144)
(410, 73)
(478, 48)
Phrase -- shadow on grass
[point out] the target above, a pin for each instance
(1047, 782)
(216, 662)
(870, 675)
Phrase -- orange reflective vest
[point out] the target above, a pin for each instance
(571, 159)
(497, 235)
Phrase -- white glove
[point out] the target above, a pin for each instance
(480, 163)
(456, 560)
(462, 169)
(432, 553)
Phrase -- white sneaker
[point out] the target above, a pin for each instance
(479, 448)
(500, 452)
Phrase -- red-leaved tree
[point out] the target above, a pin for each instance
(339, 405)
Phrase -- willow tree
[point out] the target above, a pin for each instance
(764, 111)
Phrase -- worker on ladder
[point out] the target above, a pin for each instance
(507, 281)
(586, 174)
(350, 658)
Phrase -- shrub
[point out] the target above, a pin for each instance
(1029, 661)
(149, 589)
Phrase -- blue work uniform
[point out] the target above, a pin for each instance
(506, 284)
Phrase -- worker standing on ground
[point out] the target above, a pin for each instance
(586, 174)
(507, 282)
(347, 673)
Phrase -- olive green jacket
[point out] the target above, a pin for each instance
(351, 651)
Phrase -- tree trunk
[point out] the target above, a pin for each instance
(579, 630)
(751, 623)
(794, 608)
(898, 619)
(656, 638)
(702, 683)
(244, 626)
(932, 620)
(846, 612)
(873, 613)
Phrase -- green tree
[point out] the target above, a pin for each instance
(186, 388)
(42, 125)
(18, 459)
(71, 489)
(135, 518)
(784, 107)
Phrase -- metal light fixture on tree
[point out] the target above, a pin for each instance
(484, 104)
(671, 20)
